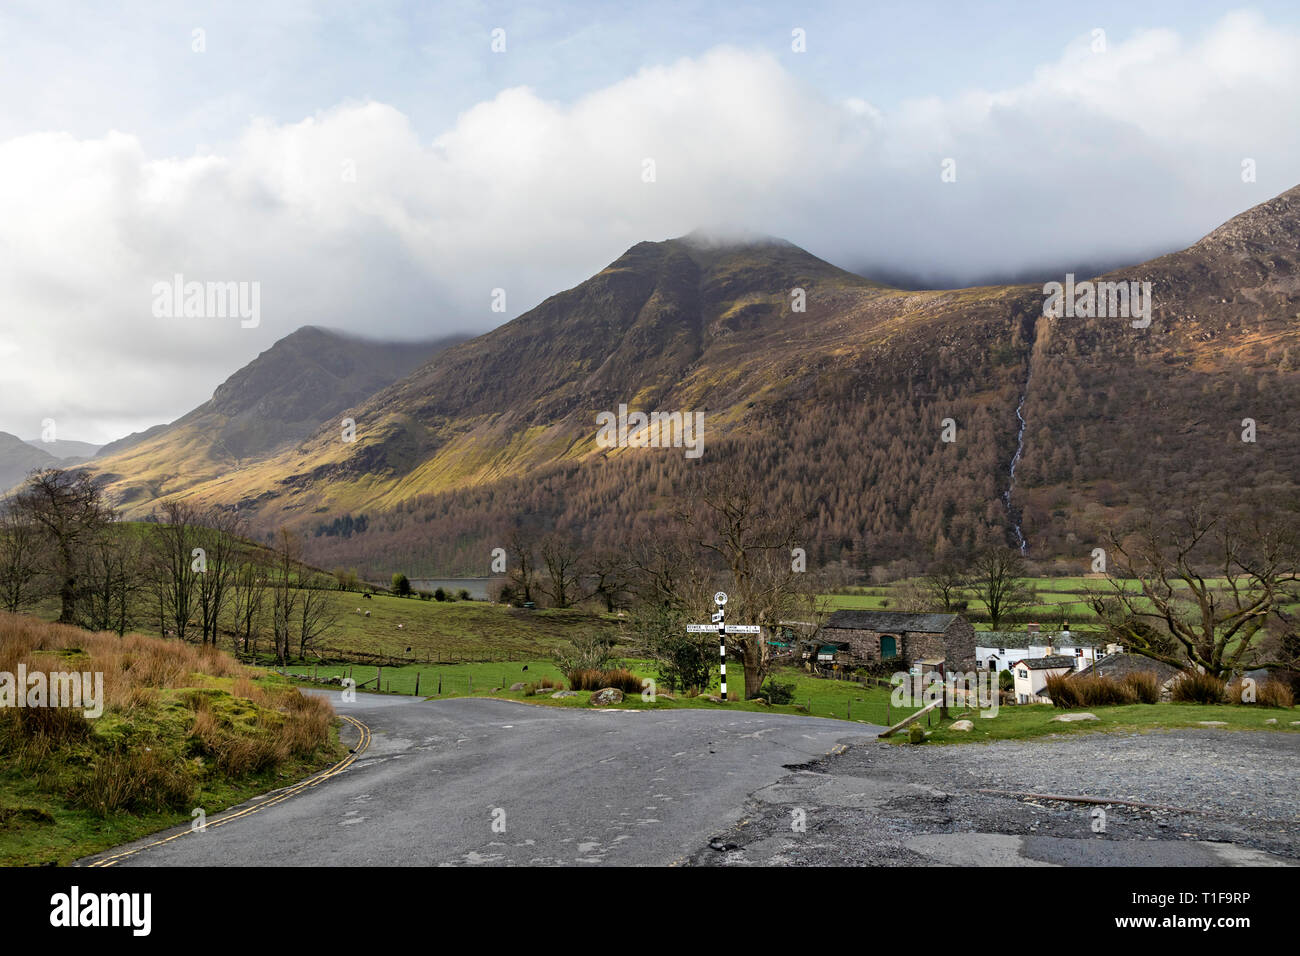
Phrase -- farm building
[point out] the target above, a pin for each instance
(1031, 676)
(998, 650)
(871, 636)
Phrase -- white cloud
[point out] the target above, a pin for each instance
(1119, 154)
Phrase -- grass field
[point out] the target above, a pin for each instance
(453, 630)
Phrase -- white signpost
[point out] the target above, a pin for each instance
(722, 628)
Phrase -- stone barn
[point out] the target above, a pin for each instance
(879, 635)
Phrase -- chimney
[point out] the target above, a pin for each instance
(1031, 628)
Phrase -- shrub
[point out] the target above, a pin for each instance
(1275, 693)
(401, 585)
(440, 595)
(622, 678)
(463, 595)
(1197, 688)
(916, 734)
(776, 692)
(584, 678)
(1145, 686)
(593, 653)
(136, 779)
(1006, 681)
(1063, 693)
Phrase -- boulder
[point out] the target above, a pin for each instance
(1213, 723)
(606, 696)
(517, 685)
(1271, 720)
(1071, 718)
(964, 726)
(559, 694)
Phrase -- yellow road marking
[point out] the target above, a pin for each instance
(278, 798)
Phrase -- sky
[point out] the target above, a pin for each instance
(396, 169)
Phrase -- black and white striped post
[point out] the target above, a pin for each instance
(720, 599)
(719, 623)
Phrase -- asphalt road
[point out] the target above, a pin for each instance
(491, 782)
(470, 781)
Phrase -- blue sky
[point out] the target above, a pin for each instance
(377, 168)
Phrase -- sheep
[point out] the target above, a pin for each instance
(367, 614)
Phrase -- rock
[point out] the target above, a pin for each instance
(712, 700)
(607, 695)
(1071, 718)
(964, 726)
(761, 701)
(563, 693)
(1295, 723)
(1271, 720)
(517, 685)
(1213, 723)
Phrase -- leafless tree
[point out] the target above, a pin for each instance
(20, 558)
(1211, 581)
(219, 534)
(754, 542)
(110, 580)
(247, 598)
(316, 615)
(523, 569)
(998, 578)
(68, 508)
(284, 591)
(564, 571)
(173, 565)
(946, 578)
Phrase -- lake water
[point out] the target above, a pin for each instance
(477, 587)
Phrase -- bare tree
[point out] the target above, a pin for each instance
(173, 566)
(998, 577)
(247, 597)
(284, 591)
(1210, 584)
(20, 558)
(316, 615)
(564, 571)
(946, 578)
(523, 573)
(110, 580)
(218, 534)
(68, 508)
(754, 542)
(611, 574)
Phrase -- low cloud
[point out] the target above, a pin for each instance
(350, 220)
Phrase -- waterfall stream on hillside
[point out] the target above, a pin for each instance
(1015, 460)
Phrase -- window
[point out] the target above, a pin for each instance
(1024, 674)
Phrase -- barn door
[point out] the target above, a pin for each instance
(888, 646)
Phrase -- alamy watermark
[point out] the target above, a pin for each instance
(179, 299)
(653, 430)
(974, 689)
(76, 691)
(1102, 300)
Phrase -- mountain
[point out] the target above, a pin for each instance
(18, 457)
(68, 451)
(278, 399)
(840, 409)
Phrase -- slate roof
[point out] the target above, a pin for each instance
(1046, 663)
(1024, 639)
(1118, 665)
(891, 621)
